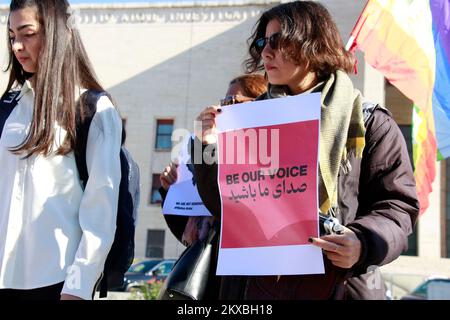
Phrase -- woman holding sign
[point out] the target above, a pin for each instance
(241, 89)
(365, 176)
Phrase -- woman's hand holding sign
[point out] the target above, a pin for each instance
(343, 250)
(207, 118)
(169, 176)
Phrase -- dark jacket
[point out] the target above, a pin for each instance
(377, 200)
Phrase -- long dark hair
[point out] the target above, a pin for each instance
(308, 34)
(63, 65)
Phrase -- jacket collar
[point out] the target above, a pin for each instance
(26, 87)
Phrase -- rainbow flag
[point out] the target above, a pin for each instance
(408, 41)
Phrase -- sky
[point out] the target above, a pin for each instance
(115, 1)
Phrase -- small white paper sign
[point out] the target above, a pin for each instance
(183, 198)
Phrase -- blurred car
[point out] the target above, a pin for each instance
(137, 271)
(158, 272)
(433, 288)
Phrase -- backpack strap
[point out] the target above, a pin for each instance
(7, 104)
(85, 110)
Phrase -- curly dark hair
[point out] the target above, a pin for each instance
(308, 33)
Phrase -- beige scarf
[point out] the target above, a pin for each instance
(341, 131)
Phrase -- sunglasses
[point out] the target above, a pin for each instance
(273, 41)
(235, 99)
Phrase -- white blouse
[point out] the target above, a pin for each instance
(50, 230)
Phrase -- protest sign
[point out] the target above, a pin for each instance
(268, 169)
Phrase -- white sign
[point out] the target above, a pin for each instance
(183, 198)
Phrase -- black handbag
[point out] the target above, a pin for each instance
(190, 275)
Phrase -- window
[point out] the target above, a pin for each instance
(155, 196)
(155, 244)
(401, 108)
(412, 239)
(164, 268)
(412, 243)
(164, 130)
(407, 134)
(145, 266)
(447, 233)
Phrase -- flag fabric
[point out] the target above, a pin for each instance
(408, 41)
